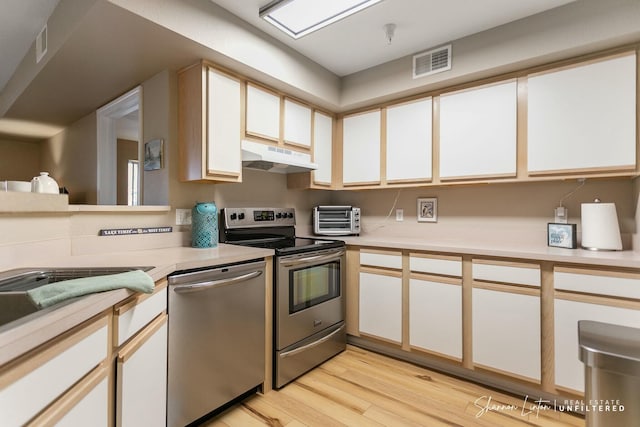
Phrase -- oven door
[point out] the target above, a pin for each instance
(309, 294)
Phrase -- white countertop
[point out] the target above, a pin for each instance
(461, 245)
(27, 333)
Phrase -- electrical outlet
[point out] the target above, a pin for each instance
(183, 216)
(399, 214)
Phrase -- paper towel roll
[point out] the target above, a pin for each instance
(600, 229)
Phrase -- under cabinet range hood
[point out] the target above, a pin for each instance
(275, 159)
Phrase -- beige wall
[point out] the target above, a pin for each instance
(19, 160)
(71, 158)
(495, 212)
(159, 120)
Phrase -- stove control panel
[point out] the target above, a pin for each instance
(258, 217)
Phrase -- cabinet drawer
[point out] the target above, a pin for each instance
(381, 259)
(32, 384)
(617, 284)
(132, 315)
(506, 272)
(444, 265)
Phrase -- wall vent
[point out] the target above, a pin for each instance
(41, 44)
(431, 62)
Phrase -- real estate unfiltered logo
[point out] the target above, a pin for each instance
(534, 407)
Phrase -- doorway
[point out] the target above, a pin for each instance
(119, 150)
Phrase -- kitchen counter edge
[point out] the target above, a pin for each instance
(27, 334)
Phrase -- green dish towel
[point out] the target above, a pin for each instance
(51, 294)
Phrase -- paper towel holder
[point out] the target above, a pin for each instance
(600, 228)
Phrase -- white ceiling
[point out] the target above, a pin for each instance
(20, 23)
(358, 42)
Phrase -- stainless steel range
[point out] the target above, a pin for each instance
(309, 280)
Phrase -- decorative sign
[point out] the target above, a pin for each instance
(128, 231)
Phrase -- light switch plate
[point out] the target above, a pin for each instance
(183, 216)
(399, 214)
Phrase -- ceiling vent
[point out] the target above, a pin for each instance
(431, 62)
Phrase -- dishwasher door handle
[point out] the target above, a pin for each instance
(314, 258)
(203, 286)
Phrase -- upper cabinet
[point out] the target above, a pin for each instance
(583, 118)
(263, 113)
(409, 141)
(322, 148)
(209, 125)
(361, 148)
(297, 124)
(478, 132)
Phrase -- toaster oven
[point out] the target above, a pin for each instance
(336, 220)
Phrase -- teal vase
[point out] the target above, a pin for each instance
(204, 225)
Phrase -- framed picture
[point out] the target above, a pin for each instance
(154, 154)
(561, 235)
(428, 209)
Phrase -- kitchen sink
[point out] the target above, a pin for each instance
(14, 284)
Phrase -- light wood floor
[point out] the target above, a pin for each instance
(361, 388)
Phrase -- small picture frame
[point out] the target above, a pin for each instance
(561, 235)
(154, 155)
(428, 209)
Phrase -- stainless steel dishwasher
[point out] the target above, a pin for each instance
(216, 338)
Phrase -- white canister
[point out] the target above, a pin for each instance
(600, 229)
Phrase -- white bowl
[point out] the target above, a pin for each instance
(23, 186)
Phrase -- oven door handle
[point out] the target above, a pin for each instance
(315, 258)
(203, 286)
(311, 345)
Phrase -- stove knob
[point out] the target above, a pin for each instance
(278, 215)
(240, 216)
(290, 215)
(233, 216)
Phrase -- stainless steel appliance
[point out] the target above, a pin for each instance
(309, 280)
(216, 338)
(336, 220)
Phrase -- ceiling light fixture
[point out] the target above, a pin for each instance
(298, 18)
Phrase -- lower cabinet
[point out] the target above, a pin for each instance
(435, 317)
(381, 305)
(141, 377)
(86, 404)
(506, 332)
(568, 367)
(36, 385)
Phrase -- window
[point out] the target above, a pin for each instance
(133, 175)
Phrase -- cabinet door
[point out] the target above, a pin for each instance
(478, 132)
(583, 118)
(49, 374)
(322, 147)
(263, 113)
(568, 367)
(141, 395)
(435, 317)
(409, 147)
(381, 306)
(91, 410)
(297, 124)
(506, 332)
(223, 124)
(361, 149)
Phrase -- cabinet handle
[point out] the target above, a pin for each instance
(203, 286)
